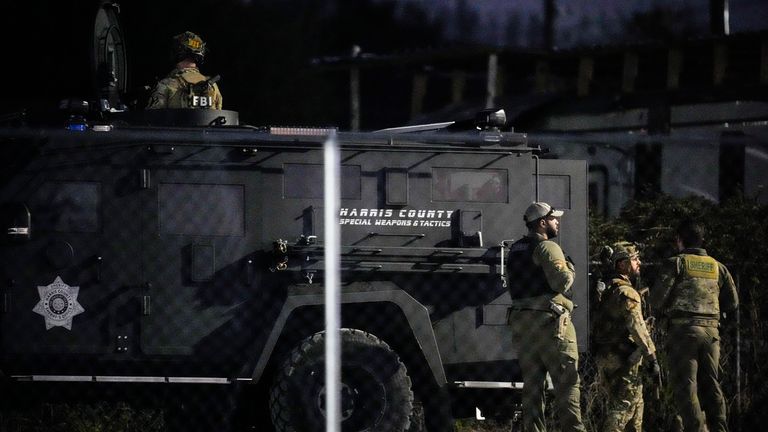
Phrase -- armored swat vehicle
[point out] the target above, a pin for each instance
(195, 255)
(176, 251)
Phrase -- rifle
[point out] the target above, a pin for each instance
(651, 367)
(202, 86)
(656, 374)
(650, 324)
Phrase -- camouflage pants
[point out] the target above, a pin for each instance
(534, 333)
(694, 368)
(622, 387)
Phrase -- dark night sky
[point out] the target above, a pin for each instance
(581, 21)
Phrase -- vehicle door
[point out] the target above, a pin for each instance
(199, 272)
(69, 286)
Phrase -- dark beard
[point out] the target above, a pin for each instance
(551, 233)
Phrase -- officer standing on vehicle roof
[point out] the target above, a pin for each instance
(621, 341)
(691, 290)
(540, 279)
(185, 86)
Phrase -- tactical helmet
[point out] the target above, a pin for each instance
(623, 250)
(189, 45)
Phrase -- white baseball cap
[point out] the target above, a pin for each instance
(539, 210)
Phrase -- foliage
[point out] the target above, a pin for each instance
(482, 426)
(736, 237)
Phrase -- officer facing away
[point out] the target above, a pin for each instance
(621, 341)
(185, 86)
(690, 292)
(540, 279)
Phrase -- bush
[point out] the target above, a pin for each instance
(736, 237)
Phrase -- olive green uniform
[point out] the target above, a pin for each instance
(176, 91)
(691, 290)
(546, 340)
(620, 334)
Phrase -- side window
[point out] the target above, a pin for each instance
(470, 185)
(306, 181)
(62, 206)
(201, 209)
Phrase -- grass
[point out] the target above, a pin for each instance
(92, 417)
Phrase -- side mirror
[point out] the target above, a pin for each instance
(491, 119)
(17, 223)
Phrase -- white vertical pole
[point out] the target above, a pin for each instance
(354, 97)
(332, 240)
(490, 90)
(354, 90)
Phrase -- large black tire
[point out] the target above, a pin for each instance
(376, 389)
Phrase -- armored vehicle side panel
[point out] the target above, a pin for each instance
(176, 255)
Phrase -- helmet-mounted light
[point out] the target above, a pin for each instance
(189, 44)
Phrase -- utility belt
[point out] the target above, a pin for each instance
(698, 322)
(692, 319)
(552, 308)
(558, 312)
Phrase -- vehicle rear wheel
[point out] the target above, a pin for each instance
(376, 389)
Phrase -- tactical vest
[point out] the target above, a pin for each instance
(193, 92)
(524, 278)
(610, 326)
(697, 290)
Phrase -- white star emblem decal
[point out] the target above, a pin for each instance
(58, 304)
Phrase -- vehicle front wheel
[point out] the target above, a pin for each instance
(376, 390)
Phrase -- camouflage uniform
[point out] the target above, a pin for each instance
(689, 291)
(540, 278)
(619, 335)
(175, 91)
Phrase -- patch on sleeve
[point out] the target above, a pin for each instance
(631, 305)
(630, 297)
(701, 267)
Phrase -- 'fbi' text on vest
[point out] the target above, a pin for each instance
(202, 101)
